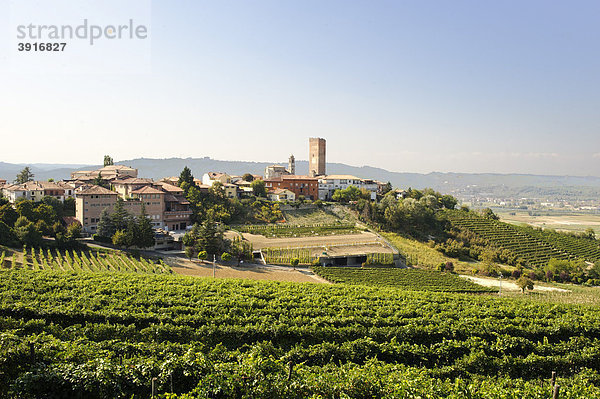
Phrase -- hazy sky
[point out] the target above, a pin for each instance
(418, 86)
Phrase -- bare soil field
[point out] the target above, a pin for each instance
(508, 285)
(557, 221)
(248, 271)
(259, 241)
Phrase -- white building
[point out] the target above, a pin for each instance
(328, 184)
(211, 177)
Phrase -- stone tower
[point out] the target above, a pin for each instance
(292, 165)
(316, 156)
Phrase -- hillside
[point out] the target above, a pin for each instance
(109, 335)
(535, 247)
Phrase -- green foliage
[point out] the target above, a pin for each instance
(258, 188)
(189, 252)
(105, 227)
(8, 214)
(120, 239)
(407, 279)
(24, 176)
(108, 334)
(284, 256)
(247, 177)
(208, 236)
(186, 177)
(383, 259)
(225, 256)
(108, 160)
(351, 193)
(524, 283)
(202, 255)
(545, 250)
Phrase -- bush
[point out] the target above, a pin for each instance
(99, 238)
(202, 255)
(226, 257)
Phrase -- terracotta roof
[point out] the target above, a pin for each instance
(95, 190)
(280, 191)
(169, 187)
(215, 175)
(134, 180)
(147, 190)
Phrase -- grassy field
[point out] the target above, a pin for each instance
(422, 255)
(566, 221)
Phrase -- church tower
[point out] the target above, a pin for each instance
(292, 165)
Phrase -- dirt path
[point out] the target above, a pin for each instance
(248, 271)
(508, 285)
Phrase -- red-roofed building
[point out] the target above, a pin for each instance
(306, 186)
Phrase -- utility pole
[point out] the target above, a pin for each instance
(214, 264)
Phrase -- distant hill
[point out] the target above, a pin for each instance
(462, 183)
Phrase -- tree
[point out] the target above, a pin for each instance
(226, 257)
(202, 255)
(189, 252)
(352, 193)
(247, 177)
(524, 282)
(24, 176)
(258, 188)
(120, 238)
(8, 215)
(387, 188)
(25, 208)
(56, 204)
(27, 233)
(99, 181)
(209, 236)
(106, 227)
(589, 233)
(46, 213)
(119, 215)
(295, 262)
(7, 235)
(186, 177)
(145, 237)
(74, 231)
(108, 160)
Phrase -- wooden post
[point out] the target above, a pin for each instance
(290, 370)
(555, 392)
(171, 377)
(553, 378)
(154, 387)
(32, 352)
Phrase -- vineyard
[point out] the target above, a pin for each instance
(81, 261)
(109, 335)
(289, 230)
(284, 256)
(407, 279)
(535, 248)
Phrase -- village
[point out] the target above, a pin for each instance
(164, 202)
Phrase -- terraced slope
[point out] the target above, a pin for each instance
(535, 247)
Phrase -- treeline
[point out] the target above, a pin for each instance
(415, 214)
(27, 222)
(124, 229)
(213, 203)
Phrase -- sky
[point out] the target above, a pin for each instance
(409, 86)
